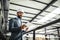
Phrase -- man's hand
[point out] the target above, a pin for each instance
(27, 29)
(24, 27)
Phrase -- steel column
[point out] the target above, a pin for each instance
(34, 35)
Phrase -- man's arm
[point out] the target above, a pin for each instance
(12, 28)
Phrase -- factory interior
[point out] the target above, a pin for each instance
(42, 17)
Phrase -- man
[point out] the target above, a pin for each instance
(15, 26)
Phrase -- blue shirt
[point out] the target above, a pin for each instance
(19, 21)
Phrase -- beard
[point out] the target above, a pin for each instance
(19, 16)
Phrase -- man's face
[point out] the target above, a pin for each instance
(20, 14)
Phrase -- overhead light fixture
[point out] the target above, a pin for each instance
(50, 16)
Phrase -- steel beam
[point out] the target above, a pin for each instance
(47, 33)
(24, 12)
(34, 35)
(58, 33)
(53, 22)
(53, 1)
(23, 6)
(27, 7)
(53, 28)
(45, 3)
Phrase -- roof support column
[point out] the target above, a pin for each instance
(5, 8)
(34, 35)
(58, 33)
